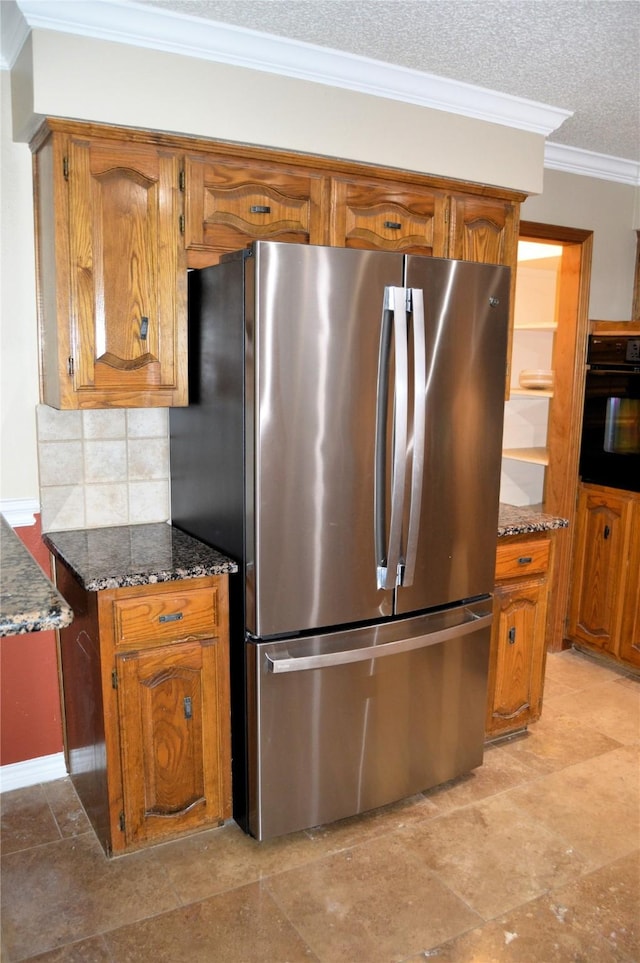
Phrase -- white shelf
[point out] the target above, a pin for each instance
(530, 393)
(543, 326)
(533, 456)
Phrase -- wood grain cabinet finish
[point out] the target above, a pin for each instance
(483, 229)
(122, 213)
(388, 216)
(231, 202)
(517, 655)
(604, 613)
(111, 271)
(145, 677)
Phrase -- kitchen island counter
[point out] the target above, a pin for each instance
(525, 519)
(111, 558)
(29, 601)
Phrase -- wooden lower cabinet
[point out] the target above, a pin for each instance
(604, 612)
(145, 677)
(518, 651)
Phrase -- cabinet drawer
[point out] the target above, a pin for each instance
(522, 558)
(162, 618)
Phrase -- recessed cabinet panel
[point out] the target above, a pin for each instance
(519, 614)
(111, 272)
(518, 636)
(167, 700)
(233, 202)
(603, 607)
(483, 229)
(388, 217)
(155, 619)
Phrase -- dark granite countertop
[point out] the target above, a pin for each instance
(29, 601)
(107, 558)
(523, 519)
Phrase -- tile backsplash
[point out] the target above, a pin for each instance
(103, 467)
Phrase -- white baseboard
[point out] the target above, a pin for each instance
(20, 511)
(17, 775)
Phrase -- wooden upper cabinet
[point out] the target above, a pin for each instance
(232, 202)
(388, 216)
(111, 271)
(483, 229)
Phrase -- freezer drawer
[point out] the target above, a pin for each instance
(343, 723)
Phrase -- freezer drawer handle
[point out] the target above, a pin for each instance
(325, 660)
(394, 315)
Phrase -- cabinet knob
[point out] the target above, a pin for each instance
(512, 635)
(525, 560)
(144, 328)
(260, 209)
(607, 531)
(393, 225)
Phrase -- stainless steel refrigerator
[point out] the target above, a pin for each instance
(342, 443)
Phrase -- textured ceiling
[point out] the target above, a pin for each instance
(582, 55)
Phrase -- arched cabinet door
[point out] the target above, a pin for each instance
(112, 272)
(601, 567)
(168, 704)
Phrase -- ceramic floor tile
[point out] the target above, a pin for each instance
(578, 671)
(500, 770)
(93, 950)
(358, 829)
(75, 892)
(610, 708)
(221, 859)
(372, 903)
(594, 805)
(493, 855)
(553, 743)
(241, 926)
(543, 931)
(66, 807)
(27, 820)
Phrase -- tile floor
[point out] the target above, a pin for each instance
(535, 858)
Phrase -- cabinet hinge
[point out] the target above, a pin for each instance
(114, 679)
(121, 821)
(446, 215)
(181, 180)
(182, 223)
(70, 367)
(65, 168)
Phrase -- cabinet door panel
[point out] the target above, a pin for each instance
(518, 643)
(483, 229)
(599, 569)
(127, 280)
(231, 203)
(387, 217)
(169, 701)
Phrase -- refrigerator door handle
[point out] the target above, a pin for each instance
(419, 422)
(395, 312)
(292, 663)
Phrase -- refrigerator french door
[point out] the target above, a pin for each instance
(342, 442)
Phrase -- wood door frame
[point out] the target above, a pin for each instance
(565, 415)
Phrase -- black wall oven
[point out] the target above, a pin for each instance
(610, 447)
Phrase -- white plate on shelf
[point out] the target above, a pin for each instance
(536, 378)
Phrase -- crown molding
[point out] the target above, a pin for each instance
(14, 32)
(574, 161)
(122, 21)
(159, 29)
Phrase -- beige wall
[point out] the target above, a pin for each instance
(18, 333)
(609, 210)
(96, 80)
